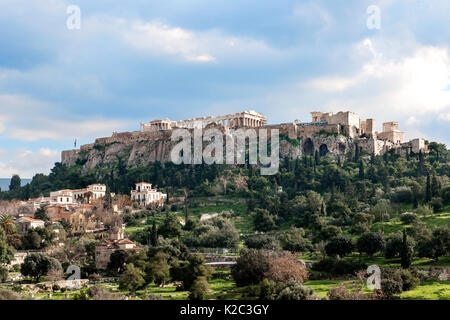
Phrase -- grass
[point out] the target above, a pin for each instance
(396, 226)
(429, 291)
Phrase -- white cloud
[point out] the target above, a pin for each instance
(27, 119)
(416, 84)
(26, 163)
(155, 37)
(59, 130)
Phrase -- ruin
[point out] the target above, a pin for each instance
(248, 118)
(329, 134)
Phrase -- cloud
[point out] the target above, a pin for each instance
(26, 162)
(416, 84)
(27, 119)
(208, 46)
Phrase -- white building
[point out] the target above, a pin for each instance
(92, 192)
(145, 195)
(61, 197)
(26, 223)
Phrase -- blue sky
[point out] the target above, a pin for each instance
(139, 60)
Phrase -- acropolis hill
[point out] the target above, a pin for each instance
(330, 134)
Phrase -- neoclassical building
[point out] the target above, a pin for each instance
(144, 194)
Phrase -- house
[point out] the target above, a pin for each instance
(91, 192)
(115, 242)
(61, 197)
(26, 223)
(145, 195)
(68, 197)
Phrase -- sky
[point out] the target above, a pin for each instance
(138, 60)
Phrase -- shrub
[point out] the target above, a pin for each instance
(359, 228)
(293, 240)
(408, 217)
(424, 210)
(199, 289)
(329, 232)
(402, 194)
(3, 274)
(6, 294)
(296, 291)
(262, 241)
(410, 279)
(437, 204)
(339, 267)
(446, 195)
(343, 293)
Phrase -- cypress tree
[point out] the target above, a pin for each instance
(361, 170)
(406, 254)
(428, 191)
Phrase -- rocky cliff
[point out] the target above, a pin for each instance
(138, 149)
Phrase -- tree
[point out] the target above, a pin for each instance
(31, 240)
(132, 279)
(158, 269)
(250, 267)
(37, 265)
(263, 220)
(340, 246)
(117, 261)
(41, 214)
(7, 223)
(370, 243)
(286, 269)
(171, 227)
(293, 240)
(190, 270)
(15, 183)
(361, 170)
(5, 250)
(406, 252)
(199, 289)
(437, 245)
(428, 193)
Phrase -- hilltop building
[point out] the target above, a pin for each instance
(247, 118)
(329, 134)
(145, 195)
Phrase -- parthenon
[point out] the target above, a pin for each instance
(248, 118)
